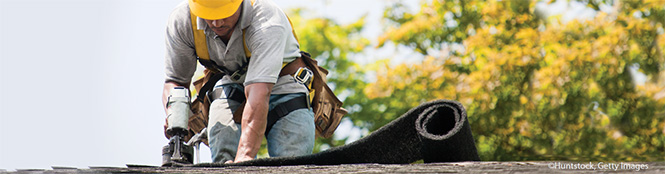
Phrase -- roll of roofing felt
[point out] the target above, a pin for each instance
(436, 131)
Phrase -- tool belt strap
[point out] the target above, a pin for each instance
(292, 67)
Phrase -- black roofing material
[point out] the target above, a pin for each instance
(436, 131)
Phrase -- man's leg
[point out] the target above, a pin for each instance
(293, 134)
(223, 132)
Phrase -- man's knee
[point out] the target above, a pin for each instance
(293, 135)
(220, 111)
(223, 141)
(223, 132)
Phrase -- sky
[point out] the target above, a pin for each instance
(81, 80)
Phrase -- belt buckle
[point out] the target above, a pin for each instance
(238, 74)
(303, 76)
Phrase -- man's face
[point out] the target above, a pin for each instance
(224, 27)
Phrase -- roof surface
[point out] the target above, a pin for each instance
(465, 167)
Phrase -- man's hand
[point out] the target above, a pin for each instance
(254, 119)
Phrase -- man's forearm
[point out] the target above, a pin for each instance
(254, 121)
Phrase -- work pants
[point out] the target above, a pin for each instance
(291, 135)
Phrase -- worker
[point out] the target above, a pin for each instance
(258, 86)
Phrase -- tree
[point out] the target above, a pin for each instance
(534, 88)
(332, 45)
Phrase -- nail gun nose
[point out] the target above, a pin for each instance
(176, 152)
(177, 155)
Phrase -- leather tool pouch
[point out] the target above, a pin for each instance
(328, 111)
(200, 108)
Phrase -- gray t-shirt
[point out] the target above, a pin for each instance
(268, 37)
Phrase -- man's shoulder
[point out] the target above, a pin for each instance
(179, 22)
(180, 12)
(178, 27)
(266, 13)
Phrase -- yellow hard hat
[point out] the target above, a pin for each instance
(214, 9)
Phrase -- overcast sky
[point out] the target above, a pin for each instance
(81, 80)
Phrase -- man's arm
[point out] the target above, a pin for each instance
(254, 119)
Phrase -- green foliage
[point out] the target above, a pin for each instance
(332, 45)
(535, 88)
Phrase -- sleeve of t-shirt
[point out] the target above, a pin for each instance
(180, 59)
(267, 47)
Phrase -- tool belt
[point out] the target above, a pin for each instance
(328, 111)
(275, 114)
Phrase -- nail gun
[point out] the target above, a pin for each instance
(178, 111)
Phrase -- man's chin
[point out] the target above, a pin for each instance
(222, 33)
